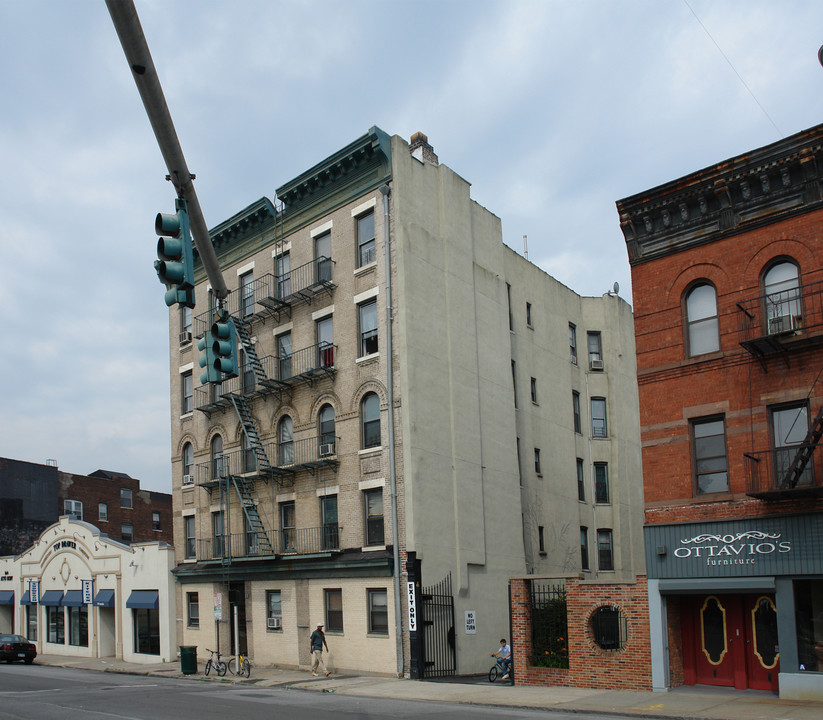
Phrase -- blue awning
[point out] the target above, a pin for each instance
(104, 598)
(26, 599)
(53, 598)
(6, 597)
(74, 598)
(144, 599)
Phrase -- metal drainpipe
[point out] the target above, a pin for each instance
(398, 624)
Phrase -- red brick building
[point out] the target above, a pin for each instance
(727, 274)
(33, 496)
(114, 502)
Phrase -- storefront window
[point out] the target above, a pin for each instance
(808, 606)
(31, 622)
(56, 628)
(79, 626)
(146, 631)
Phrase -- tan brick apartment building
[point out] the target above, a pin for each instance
(727, 273)
(420, 414)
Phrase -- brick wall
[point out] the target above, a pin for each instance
(92, 491)
(589, 665)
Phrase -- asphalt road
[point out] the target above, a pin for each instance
(38, 692)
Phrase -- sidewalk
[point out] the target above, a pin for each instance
(703, 702)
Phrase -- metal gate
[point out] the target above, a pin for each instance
(438, 629)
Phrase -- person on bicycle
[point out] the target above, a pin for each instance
(504, 652)
(318, 640)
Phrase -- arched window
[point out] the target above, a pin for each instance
(327, 437)
(286, 441)
(216, 457)
(188, 464)
(701, 320)
(781, 285)
(370, 420)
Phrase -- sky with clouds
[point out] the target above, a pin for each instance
(552, 109)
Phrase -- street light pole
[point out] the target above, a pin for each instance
(127, 24)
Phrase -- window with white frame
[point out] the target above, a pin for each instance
(701, 320)
(73, 508)
(365, 239)
(102, 512)
(187, 399)
(247, 294)
(368, 327)
(370, 420)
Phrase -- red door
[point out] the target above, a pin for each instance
(762, 656)
(730, 640)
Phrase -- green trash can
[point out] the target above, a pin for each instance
(188, 659)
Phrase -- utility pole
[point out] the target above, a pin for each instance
(136, 49)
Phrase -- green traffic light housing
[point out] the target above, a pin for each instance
(211, 374)
(224, 344)
(175, 264)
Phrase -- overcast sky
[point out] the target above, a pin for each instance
(552, 110)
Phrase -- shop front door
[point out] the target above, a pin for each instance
(731, 640)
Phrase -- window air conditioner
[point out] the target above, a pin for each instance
(273, 623)
(326, 449)
(185, 337)
(188, 479)
(596, 365)
(783, 323)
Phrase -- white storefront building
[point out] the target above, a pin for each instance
(78, 592)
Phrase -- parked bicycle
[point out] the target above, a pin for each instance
(243, 666)
(499, 670)
(217, 665)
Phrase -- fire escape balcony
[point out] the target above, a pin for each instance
(288, 542)
(779, 322)
(274, 375)
(777, 475)
(285, 458)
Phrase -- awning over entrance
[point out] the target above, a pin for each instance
(6, 597)
(144, 599)
(26, 599)
(74, 598)
(104, 598)
(53, 598)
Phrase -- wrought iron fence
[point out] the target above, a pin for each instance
(549, 621)
(792, 310)
(766, 470)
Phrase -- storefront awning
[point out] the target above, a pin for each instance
(26, 599)
(74, 598)
(144, 599)
(104, 598)
(6, 597)
(53, 598)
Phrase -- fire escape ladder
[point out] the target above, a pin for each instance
(241, 405)
(256, 528)
(804, 453)
(244, 333)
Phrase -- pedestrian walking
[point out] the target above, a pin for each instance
(318, 642)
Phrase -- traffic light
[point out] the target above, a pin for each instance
(207, 360)
(175, 266)
(224, 345)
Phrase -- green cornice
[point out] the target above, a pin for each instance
(240, 235)
(347, 565)
(348, 174)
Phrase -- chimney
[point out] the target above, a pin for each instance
(420, 149)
